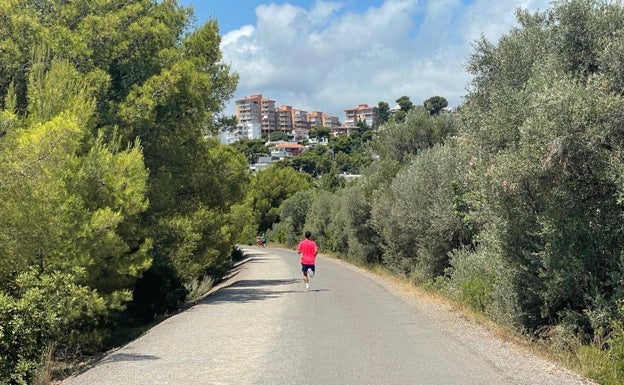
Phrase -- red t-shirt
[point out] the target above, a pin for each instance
(308, 250)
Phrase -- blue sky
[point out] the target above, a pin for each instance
(232, 14)
(328, 56)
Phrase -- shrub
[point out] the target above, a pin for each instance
(483, 280)
(45, 310)
(417, 217)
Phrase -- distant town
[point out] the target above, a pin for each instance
(258, 116)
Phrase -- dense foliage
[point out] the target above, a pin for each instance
(115, 205)
(513, 205)
(113, 200)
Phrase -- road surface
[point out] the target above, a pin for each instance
(262, 327)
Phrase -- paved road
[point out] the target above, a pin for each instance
(351, 328)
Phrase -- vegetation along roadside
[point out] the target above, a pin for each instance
(117, 203)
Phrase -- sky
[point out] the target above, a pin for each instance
(329, 56)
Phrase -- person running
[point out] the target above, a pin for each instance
(308, 250)
(263, 239)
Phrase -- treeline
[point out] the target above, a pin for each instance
(513, 206)
(115, 207)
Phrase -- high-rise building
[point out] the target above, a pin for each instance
(362, 113)
(268, 116)
(285, 118)
(255, 109)
(317, 118)
(247, 110)
(300, 120)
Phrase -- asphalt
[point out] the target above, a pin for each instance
(262, 327)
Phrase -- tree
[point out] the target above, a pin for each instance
(405, 104)
(277, 136)
(403, 140)
(331, 181)
(382, 115)
(223, 123)
(355, 216)
(269, 189)
(71, 204)
(319, 132)
(136, 90)
(251, 148)
(417, 218)
(435, 104)
(541, 125)
(314, 162)
(329, 232)
(293, 214)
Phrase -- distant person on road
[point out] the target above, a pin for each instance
(308, 250)
(263, 239)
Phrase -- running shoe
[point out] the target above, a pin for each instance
(310, 273)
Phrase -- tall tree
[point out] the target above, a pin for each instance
(68, 223)
(269, 189)
(154, 87)
(435, 104)
(405, 103)
(542, 124)
(383, 114)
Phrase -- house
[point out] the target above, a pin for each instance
(282, 149)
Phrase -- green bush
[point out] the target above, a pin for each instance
(46, 310)
(476, 292)
(321, 221)
(417, 217)
(483, 280)
(292, 218)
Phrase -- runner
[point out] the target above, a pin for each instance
(308, 250)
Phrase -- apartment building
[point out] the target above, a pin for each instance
(317, 118)
(300, 120)
(285, 118)
(331, 121)
(268, 116)
(255, 109)
(361, 113)
(247, 110)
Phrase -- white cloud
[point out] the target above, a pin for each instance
(234, 37)
(329, 58)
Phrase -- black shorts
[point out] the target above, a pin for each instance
(304, 268)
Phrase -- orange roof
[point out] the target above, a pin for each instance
(288, 145)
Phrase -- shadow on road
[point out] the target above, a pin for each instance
(119, 357)
(263, 260)
(264, 282)
(249, 290)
